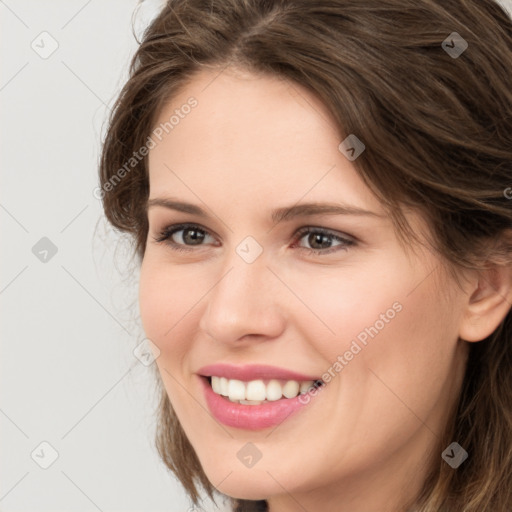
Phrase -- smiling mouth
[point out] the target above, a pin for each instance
(259, 391)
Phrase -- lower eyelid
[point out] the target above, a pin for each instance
(342, 245)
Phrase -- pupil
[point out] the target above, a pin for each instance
(315, 238)
(195, 236)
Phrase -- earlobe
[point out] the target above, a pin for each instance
(488, 303)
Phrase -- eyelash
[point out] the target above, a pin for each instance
(168, 231)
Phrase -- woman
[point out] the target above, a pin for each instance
(318, 193)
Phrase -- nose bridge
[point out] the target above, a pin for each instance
(243, 299)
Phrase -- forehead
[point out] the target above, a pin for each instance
(249, 136)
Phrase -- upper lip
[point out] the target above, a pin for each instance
(252, 372)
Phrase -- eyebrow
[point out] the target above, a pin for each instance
(278, 215)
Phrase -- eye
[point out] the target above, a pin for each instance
(321, 240)
(181, 235)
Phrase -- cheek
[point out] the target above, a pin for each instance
(351, 303)
(388, 321)
(166, 303)
(154, 294)
(420, 342)
(165, 300)
(408, 367)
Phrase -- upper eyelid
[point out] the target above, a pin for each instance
(327, 231)
(174, 228)
(164, 234)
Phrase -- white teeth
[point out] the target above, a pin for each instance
(255, 392)
(291, 389)
(274, 390)
(305, 386)
(236, 389)
(224, 386)
(216, 385)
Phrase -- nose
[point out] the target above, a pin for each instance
(245, 303)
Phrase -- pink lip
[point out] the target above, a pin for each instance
(251, 417)
(252, 372)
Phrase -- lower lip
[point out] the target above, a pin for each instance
(251, 417)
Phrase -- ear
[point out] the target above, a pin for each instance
(488, 303)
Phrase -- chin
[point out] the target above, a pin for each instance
(247, 486)
(252, 493)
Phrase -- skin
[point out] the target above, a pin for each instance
(365, 442)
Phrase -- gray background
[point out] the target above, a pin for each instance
(69, 319)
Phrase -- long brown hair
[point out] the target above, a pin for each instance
(437, 127)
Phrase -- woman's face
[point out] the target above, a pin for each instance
(329, 295)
